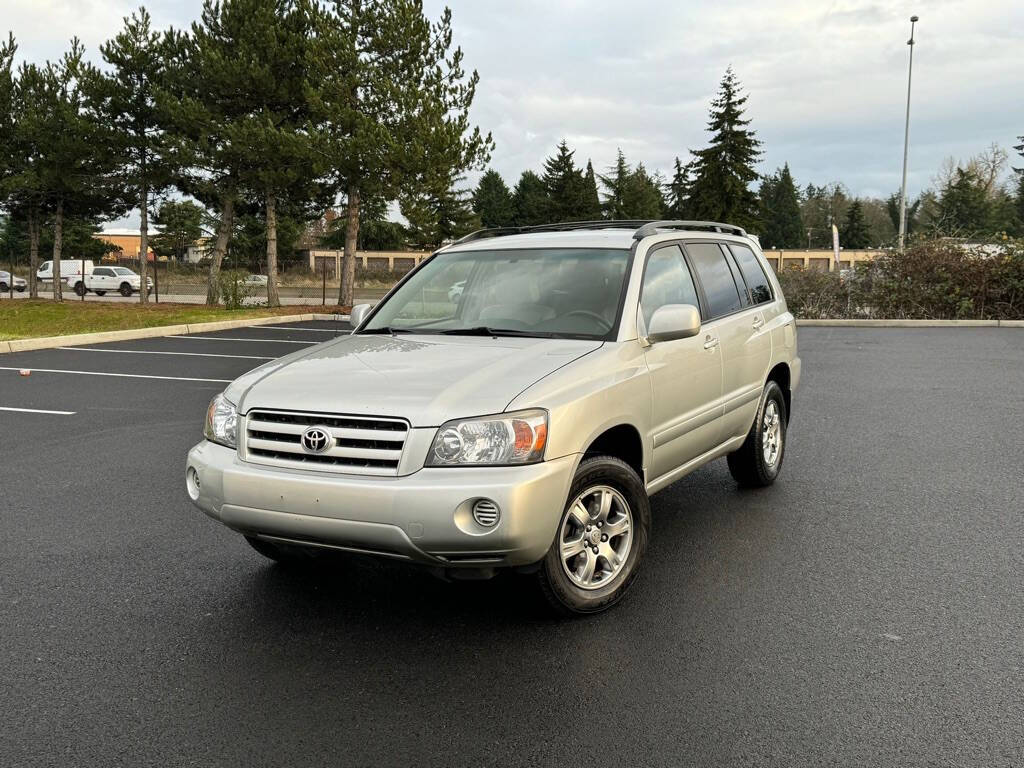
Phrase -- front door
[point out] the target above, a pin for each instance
(685, 374)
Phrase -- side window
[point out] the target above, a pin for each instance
(753, 273)
(715, 277)
(667, 280)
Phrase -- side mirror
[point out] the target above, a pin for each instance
(674, 321)
(359, 313)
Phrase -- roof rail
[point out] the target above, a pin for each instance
(565, 226)
(651, 227)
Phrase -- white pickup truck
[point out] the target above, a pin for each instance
(103, 279)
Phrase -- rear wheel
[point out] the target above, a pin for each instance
(125, 290)
(758, 461)
(600, 540)
(4, 287)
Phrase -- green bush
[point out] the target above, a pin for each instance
(233, 291)
(930, 280)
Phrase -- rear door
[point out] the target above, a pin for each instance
(739, 321)
(685, 374)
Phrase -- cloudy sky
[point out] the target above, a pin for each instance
(826, 78)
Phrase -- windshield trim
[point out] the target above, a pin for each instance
(611, 335)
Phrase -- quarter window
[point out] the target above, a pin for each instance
(753, 273)
(667, 280)
(715, 277)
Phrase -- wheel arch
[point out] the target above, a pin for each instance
(623, 441)
(782, 376)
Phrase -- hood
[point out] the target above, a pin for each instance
(425, 379)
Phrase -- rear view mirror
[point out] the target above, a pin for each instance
(359, 313)
(674, 321)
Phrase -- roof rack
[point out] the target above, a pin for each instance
(643, 227)
(651, 227)
(565, 226)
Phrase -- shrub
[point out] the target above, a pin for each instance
(233, 291)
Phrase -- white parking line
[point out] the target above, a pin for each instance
(122, 375)
(37, 410)
(154, 352)
(226, 338)
(313, 330)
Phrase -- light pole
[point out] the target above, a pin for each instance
(906, 138)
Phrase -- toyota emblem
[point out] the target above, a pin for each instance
(316, 439)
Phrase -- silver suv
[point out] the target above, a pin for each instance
(521, 421)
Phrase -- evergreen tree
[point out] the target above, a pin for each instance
(820, 208)
(125, 100)
(678, 202)
(854, 232)
(724, 170)
(591, 197)
(492, 201)
(1017, 228)
(779, 211)
(643, 198)
(892, 207)
(392, 104)
(964, 207)
(564, 185)
(180, 226)
(616, 184)
(439, 216)
(529, 200)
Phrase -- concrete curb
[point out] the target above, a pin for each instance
(78, 339)
(912, 323)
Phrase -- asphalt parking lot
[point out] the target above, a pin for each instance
(866, 610)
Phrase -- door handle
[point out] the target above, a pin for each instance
(710, 343)
(758, 322)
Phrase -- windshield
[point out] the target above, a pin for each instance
(562, 293)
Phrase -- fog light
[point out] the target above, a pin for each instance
(192, 483)
(486, 513)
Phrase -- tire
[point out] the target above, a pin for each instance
(101, 293)
(281, 553)
(758, 461)
(19, 288)
(125, 289)
(597, 478)
(4, 287)
(80, 288)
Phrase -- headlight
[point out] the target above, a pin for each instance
(221, 422)
(508, 438)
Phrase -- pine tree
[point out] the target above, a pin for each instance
(125, 100)
(564, 185)
(392, 103)
(591, 197)
(529, 200)
(781, 225)
(892, 207)
(964, 207)
(643, 198)
(439, 216)
(678, 202)
(492, 201)
(180, 225)
(854, 231)
(724, 170)
(616, 184)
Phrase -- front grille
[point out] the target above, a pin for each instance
(362, 445)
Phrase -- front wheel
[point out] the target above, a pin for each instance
(4, 287)
(757, 462)
(80, 289)
(600, 540)
(126, 290)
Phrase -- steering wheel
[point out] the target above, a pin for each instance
(587, 313)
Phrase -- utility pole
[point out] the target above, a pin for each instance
(906, 139)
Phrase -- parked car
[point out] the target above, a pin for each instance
(254, 281)
(525, 425)
(69, 269)
(103, 279)
(19, 283)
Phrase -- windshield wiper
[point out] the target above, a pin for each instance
(386, 329)
(483, 330)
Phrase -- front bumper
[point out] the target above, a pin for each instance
(425, 516)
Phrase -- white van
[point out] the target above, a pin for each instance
(68, 268)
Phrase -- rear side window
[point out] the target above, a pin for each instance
(715, 277)
(752, 272)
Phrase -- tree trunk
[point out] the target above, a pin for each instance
(143, 244)
(227, 212)
(273, 299)
(58, 244)
(33, 254)
(346, 286)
